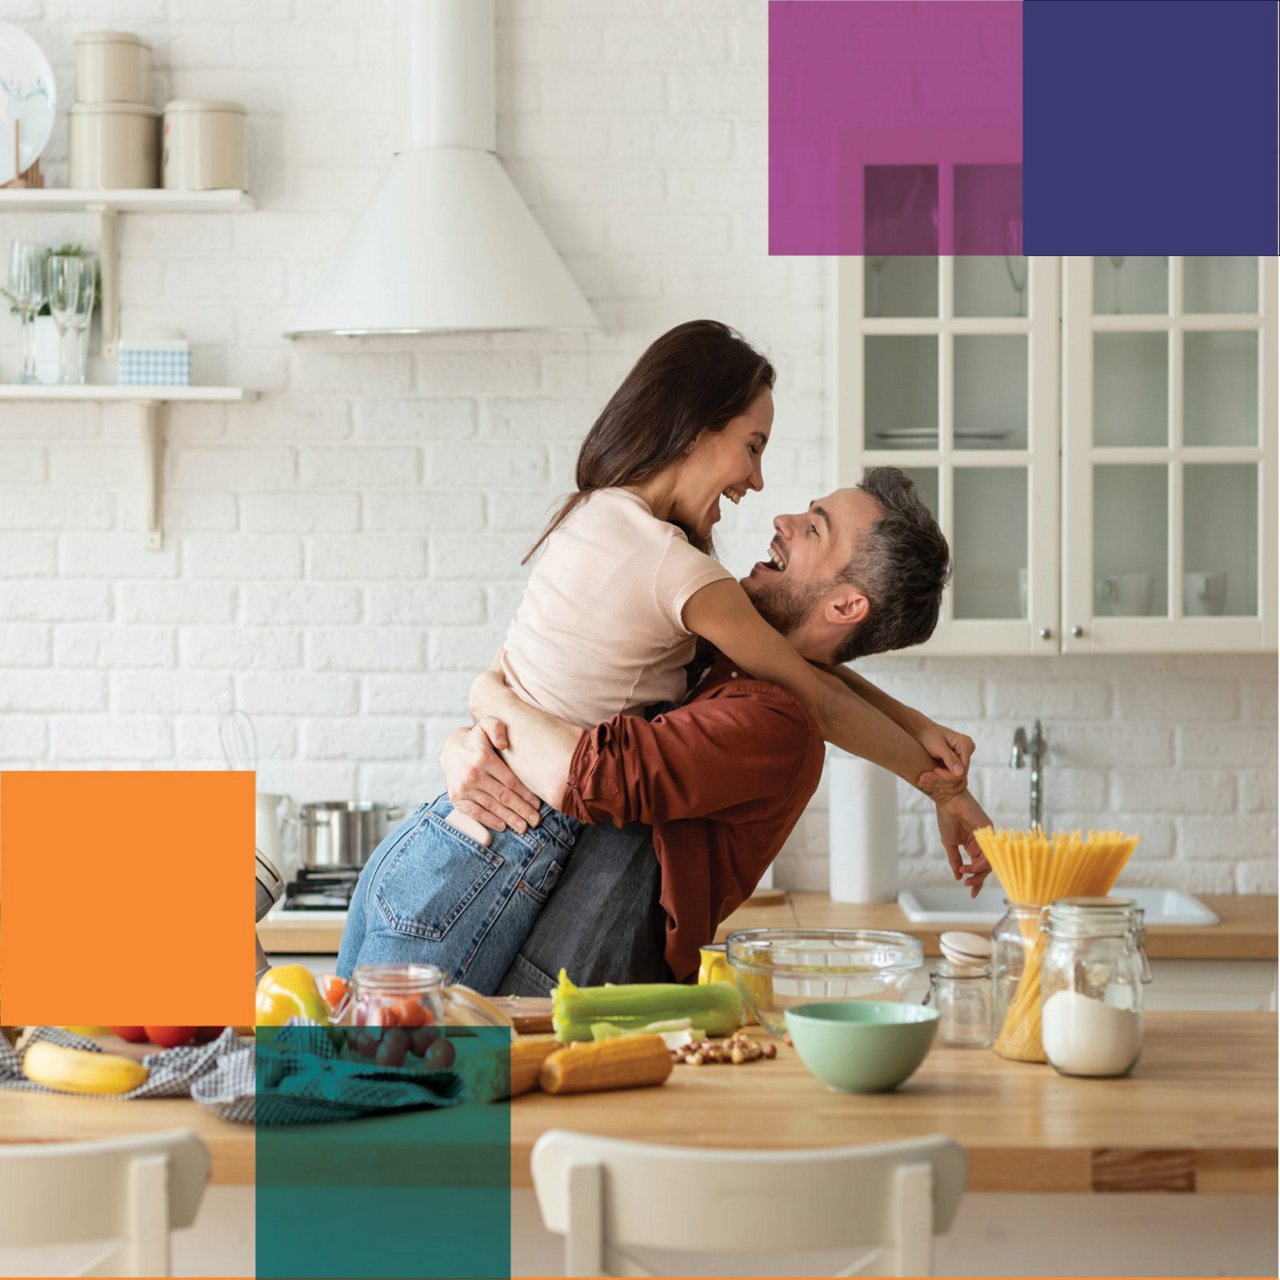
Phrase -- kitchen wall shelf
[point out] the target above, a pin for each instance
(105, 206)
(147, 403)
(1096, 437)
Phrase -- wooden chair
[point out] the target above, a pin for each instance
(135, 1190)
(606, 1196)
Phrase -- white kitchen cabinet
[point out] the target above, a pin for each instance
(1096, 436)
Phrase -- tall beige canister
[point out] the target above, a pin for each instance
(112, 66)
(114, 144)
(203, 145)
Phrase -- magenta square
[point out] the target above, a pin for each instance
(895, 127)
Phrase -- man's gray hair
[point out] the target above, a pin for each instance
(901, 565)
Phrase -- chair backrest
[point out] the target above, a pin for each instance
(606, 1195)
(136, 1189)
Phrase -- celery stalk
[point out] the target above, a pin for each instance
(714, 1006)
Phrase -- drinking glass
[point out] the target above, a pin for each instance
(63, 283)
(26, 288)
(83, 314)
(1014, 261)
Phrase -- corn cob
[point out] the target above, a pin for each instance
(626, 1062)
(714, 1007)
(527, 1056)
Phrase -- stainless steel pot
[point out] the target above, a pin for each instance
(343, 833)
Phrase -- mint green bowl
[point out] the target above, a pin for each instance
(862, 1046)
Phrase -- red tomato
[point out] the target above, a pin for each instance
(206, 1034)
(171, 1037)
(134, 1035)
(411, 1013)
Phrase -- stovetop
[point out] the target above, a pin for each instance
(328, 890)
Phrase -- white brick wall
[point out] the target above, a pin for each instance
(343, 551)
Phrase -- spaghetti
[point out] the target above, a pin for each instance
(1036, 869)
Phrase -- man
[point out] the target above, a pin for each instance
(703, 796)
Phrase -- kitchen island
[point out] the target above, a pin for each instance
(1198, 1116)
(1171, 1171)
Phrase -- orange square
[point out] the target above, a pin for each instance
(126, 899)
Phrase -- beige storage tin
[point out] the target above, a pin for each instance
(203, 146)
(112, 66)
(114, 144)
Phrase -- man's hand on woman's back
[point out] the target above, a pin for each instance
(480, 783)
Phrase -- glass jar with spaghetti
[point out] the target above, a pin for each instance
(1014, 954)
(1094, 968)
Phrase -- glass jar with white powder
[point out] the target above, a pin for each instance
(1095, 966)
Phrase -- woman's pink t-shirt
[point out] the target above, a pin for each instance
(599, 629)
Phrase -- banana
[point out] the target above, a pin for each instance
(78, 1071)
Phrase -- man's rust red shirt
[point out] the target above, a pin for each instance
(722, 780)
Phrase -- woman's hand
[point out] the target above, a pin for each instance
(953, 749)
(958, 819)
(480, 783)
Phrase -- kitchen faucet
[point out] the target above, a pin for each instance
(1032, 753)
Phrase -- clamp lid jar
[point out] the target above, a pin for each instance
(1095, 966)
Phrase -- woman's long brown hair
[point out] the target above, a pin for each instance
(697, 376)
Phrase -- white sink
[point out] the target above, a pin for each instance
(952, 905)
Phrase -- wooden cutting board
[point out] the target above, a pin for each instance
(530, 1015)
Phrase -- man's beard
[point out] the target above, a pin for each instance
(785, 606)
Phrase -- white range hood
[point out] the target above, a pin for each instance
(446, 243)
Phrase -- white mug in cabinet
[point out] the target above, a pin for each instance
(1204, 594)
(863, 817)
(112, 66)
(1129, 594)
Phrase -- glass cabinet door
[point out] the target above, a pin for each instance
(947, 367)
(1169, 449)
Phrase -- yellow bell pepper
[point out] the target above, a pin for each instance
(289, 991)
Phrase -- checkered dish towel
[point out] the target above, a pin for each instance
(304, 1080)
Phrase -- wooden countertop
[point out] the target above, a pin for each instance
(1198, 1115)
(1247, 931)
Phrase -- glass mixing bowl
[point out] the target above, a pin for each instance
(778, 968)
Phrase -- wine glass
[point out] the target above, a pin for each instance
(26, 289)
(83, 314)
(1014, 261)
(63, 280)
(1117, 263)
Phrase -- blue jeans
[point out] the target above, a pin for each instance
(432, 895)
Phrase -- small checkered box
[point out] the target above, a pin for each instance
(155, 362)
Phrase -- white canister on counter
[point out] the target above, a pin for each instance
(112, 66)
(863, 830)
(114, 144)
(203, 146)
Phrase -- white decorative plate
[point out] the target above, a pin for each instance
(28, 96)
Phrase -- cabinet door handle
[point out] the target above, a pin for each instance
(1045, 633)
(1077, 632)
